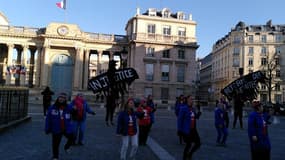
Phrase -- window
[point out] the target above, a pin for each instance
(181, 32)
(278, 73)
(181, 16)
(149, 72)
(164, 93)
(166, 14)
(180, 73)
(277, 61)
(277, 98)
(277, 87)
(250, 51)
(147, 91)
(166, 30)
(181, 54)
(236, 51)
(165, 72)
(263, 51)
(236, 40)
(235, 62)
(250, 62)
(150, 52)
(263, 38)
(263, 61)
(278, 38)
(250, 39)
(151, 29)
(166, 53)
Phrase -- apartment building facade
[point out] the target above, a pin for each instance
(248, 48)
(163, 51)
(161, 47)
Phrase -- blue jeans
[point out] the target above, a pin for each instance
(79, 130)
(222, 134)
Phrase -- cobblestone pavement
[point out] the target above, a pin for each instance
(28, 141)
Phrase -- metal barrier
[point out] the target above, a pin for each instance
(13, 104)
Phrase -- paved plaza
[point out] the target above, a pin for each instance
(28, 141)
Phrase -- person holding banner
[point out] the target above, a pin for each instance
(238, 111)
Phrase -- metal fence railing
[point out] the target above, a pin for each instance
(13, 104)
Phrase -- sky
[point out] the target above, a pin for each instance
(214, 18)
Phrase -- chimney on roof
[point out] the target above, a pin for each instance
(138, 11)
(190, 17)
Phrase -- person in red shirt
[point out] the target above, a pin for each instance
(145, 122)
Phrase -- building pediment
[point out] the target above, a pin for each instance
(3, 20)
(63, 29)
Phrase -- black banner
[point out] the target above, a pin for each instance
(121, 76)
(245, 87)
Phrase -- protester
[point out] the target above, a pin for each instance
(79, 116)
(187, 128)
(180, 101)
(58, 123)
(220, 124)
(226, 111)
(47, 97)
(110, 109)
(258, 133)
(150, 103)
(145, 122)
(127, 128)
(238, 111)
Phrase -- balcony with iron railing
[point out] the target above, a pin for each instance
(162, 38)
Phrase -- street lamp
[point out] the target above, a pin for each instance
(124, 57)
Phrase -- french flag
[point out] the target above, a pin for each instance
(61, 4)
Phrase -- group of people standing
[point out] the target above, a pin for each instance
(69, 120)
(258, 121)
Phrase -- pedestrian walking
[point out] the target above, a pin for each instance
(47, 97)
(238, 111)
(187, 127)
(220, 124)
(150, 103)
(258, 133)
(144, 122)
(58, 123)
(79, 115)
(127, 129)
(226, 110)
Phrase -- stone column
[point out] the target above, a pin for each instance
(99, 66)
(78, 68)
(86, 69)
(38, 66)
(23, 66)
(45, 67)
(18, 66)
(9, 63)
(32, 67)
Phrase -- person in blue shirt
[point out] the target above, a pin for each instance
(127, 128)
(220, 124)
(186, 123)
(58, 123)
(258, 133)
(81, 108)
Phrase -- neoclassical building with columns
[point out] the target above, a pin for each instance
(161, 47)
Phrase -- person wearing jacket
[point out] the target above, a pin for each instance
(127, 129)
(58, 123)
(47, 97)
(258, 133)
(145, 122)
(186, 123)
(220, 124)
(181, 101)
(79, 116)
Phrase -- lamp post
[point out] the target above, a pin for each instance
(124, 57)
